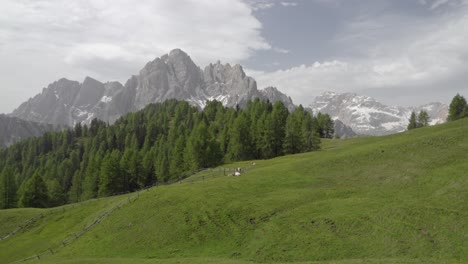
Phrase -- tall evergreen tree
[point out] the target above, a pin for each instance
(57, 196)
(423, 119)
(325, 125)
(457, 108)
(311, 137)
(34, 193)
(110, 178)
(413, 122)
(279, 116)
(240, 144)
(7, 188)
(91, 178)
(293, 141)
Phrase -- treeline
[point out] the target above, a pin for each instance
(153, 145)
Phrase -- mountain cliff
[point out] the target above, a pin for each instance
(172, 76)
(367, 116)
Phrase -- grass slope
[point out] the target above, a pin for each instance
(395, 199)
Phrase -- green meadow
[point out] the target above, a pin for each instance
(396, 199)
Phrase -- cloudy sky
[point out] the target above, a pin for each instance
(402, 52)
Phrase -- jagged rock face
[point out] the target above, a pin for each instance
(66, 102)
(52, 105)
(274, 95)
(366, 116)
(229, 85)
(14, 129)
(173, 76)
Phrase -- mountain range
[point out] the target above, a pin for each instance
(172, 76)
(175, 76)
(367, 116)
(13, 129)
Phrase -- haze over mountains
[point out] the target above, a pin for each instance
(176, 76)
(13, 129)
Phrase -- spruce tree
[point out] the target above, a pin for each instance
(423, 119)
(57, 195)
(279, 116)
(110, 178)
(34, 193)
(413, 123)
(325, 125)
(293, 141)
(457, 108)
(7, 188)
(240, 144)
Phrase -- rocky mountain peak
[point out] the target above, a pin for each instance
(91, 81)
(171, 76)
(178, 53)
(367, 116)
(238, 71)
(274, 95)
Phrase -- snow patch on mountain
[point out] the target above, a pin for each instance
(106, 99)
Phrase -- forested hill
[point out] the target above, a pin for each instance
(156, 144)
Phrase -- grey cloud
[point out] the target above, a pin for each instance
(395, 54)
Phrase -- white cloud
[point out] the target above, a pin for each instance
(438, 3)
(425, 57)
(281, 50)
(288, 4)
(257, 5)
(114, 39)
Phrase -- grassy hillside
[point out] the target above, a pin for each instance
(395, 199)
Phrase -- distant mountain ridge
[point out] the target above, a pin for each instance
(176, 76)
(367, 116)
(13, 129)
(172, 76)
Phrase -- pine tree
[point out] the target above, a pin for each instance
(413, 123)
(325, 125)
(457, 108)
(7, 188)
(311, 137)
(34, 193)
(76, 188)
(423, 119)
(267, 137)
(279, 116)
(57, 196)
(240, 144)
(91, 178)
(110, 178)
(293, 141)
(148, 175)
